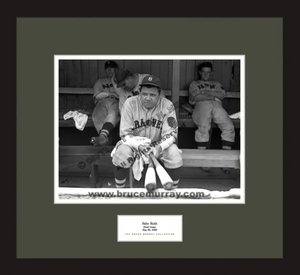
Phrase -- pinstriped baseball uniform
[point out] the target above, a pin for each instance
(208, 110)
(158, 124)
(104, 88)
(106, 101)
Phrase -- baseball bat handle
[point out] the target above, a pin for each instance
(155, 161)
(151, 164)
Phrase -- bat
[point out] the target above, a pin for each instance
(150, 177)
(164, 177)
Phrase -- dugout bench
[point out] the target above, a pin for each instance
(82, 98)
(88, 105)
(90, 157)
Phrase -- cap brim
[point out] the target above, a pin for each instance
(150, 84)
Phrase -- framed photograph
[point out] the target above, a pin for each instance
(227, 204)
(203, 91)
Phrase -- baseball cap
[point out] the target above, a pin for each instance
(110, 64)
(151, 80)
(120, 76)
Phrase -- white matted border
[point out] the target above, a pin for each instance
(58, 190)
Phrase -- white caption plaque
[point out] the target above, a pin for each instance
(149, 228)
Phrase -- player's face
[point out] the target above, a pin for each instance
(149, 96)
(205, 73)
(128, 84)
(110, 72)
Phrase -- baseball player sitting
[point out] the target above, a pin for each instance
(106, 112)
(207, 96)
(153, 118)
(127, 85)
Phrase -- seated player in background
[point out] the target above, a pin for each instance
(207, 96)
(106, 113)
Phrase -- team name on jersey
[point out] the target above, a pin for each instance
(148, 123)
(152, 122)
(107, 86)
(133, 93)
(206, 86)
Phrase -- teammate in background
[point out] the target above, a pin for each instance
(207, 96)
(106, 113)
(152, 116)
(127, 85)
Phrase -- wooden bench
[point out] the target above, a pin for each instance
(183, 121)
(91, 157)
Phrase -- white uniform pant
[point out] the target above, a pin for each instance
(207, 111)
(106, 110)
(171, 157)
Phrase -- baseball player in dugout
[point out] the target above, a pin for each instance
(106, 113)
(206, 96)
(127, 84)
(148, 126)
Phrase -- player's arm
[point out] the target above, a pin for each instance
(169, 129)
(219, 92)
(99, 92)
(117, 90)
(195, 94)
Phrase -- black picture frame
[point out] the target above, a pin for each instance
(290, 14)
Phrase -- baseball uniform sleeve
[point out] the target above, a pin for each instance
(219, 88)
(121, 93)
(169, 127)
(122, 99)
(99, 91)
(117, 90)
(193, 92)
(126, 124)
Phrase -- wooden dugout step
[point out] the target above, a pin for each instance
(211, 158)
(91, 157)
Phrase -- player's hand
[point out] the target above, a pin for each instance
(145, 149)
(156, 150)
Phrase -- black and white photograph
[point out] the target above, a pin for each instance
(149, 129)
